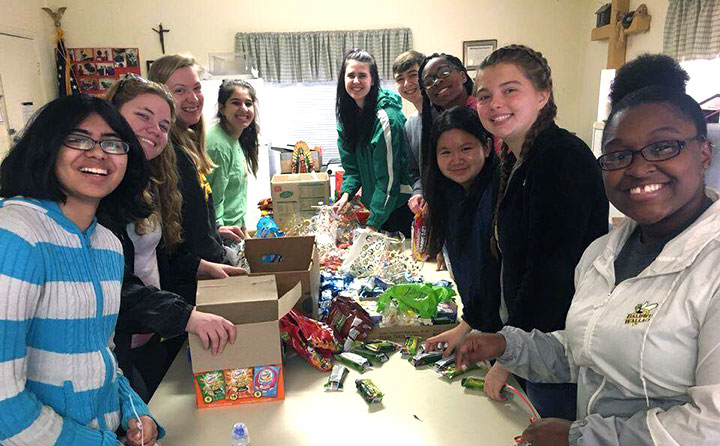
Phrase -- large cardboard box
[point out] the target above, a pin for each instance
(295, 194)
(290, 260)
(398, 333)
(252, 304)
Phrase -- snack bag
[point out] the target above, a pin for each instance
(369, 391)
(238, 383)
(349, 320)
(290, 334)
(266, 381)
(336, 378)
(317, 334)
(212, 386)
(420, 241)
(411, 346)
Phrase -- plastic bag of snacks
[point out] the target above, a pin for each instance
(316, 333)
(349, 320)
(423, 298)
(290, 334)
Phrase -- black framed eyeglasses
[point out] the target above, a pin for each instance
(657, 151)
(109, 146)
(442, 72)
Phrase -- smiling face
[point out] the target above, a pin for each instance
(149, 116)
(239, 110)
(447, 92)
(407, 82)
(662, 194)
(460, 156)
(89, 176)
(358, 80)
(508, 102)
(184, 84)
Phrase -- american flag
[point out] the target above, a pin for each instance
(67, 84)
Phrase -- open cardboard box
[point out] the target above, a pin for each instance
(252, 304)
(398, 333)
(290, 260)
(295, 194)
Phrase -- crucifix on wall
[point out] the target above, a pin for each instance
(161, 33)
(623, 24)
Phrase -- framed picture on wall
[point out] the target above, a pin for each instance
(475, 51)
(97, 68)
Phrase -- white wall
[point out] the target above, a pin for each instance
(558, 28)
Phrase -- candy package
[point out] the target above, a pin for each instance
(382, 346)
(266, 381)
(411, 346)
(212, 386)
(374, 357)
(291, 335)
(317, 334)
(354, 361)
(336, 378)
(238, 383)
(420, 241)
(473, 383)
(422, 358)
(447, 368)
(349, 320)
(369, 391)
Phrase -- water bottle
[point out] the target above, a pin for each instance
(240, 435)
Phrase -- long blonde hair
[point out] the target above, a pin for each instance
(191, 139)
(163, 193)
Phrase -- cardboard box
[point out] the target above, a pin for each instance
(290, 260)
(398, 333)
(286, 161)
(252, 304)
(295, 194)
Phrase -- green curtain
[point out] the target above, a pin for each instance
(316, 56)
(692, 29)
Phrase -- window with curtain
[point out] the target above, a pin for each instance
(692, 29)
(316, 56)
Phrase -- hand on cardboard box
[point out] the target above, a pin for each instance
(211, 270)
(233, 233)
(149, 432)
(214, 331)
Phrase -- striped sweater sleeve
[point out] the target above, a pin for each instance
(24, 420)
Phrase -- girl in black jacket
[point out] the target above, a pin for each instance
(460, 194)
(147, 310)
(551, 205)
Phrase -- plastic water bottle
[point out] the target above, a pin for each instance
(240, 435)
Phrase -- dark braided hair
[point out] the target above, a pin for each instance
(428, 107)
(249, 136)
(536, 69)
(357, 123)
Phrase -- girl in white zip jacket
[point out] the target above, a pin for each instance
(642, 338)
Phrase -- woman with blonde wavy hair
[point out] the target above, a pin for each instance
(148, 309)
(179, 73)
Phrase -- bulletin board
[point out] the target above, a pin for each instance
(96, 69)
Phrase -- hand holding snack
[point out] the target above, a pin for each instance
(479, 347)
(452, 338)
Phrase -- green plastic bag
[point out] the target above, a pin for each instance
(422, 298)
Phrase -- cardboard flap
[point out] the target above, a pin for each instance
(255, 344)
(289, 299)
(292, 253)
(240, 299)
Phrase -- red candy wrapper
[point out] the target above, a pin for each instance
(349, 320)
(420, 241)
(313, 340)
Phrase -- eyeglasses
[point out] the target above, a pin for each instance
(109, 146)
(442, 72)
(132, 77)
(657, 151)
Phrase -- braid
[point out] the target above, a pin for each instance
(504, 171)
(536, 68)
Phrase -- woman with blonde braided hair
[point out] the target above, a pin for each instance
(550, 206)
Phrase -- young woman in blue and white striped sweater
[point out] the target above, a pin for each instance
(60, 278)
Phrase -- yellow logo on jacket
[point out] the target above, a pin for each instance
(643, 312)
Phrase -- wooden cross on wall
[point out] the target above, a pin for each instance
(617, 34)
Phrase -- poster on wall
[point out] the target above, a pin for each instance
(98, 68)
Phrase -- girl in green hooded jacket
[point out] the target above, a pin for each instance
(371, 142)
